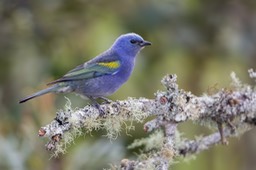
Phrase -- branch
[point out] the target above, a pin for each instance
(232, 111)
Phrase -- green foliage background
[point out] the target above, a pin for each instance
(201, 41)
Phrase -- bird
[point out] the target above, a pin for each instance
(101, 76)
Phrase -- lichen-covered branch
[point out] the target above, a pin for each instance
(232, 111)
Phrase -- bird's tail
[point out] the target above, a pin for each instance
(40, 93)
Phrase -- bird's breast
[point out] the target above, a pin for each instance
(126, 69)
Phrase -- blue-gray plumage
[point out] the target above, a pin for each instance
(102, 75)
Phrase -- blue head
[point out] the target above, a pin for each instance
(129, 44)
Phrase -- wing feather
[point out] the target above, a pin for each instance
(90, 70)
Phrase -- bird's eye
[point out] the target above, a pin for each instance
(133, 41)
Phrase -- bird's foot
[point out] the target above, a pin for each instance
(106, 100)
(101, 111)
(97, 106)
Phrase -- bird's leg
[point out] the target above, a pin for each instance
(106, 100)
(97, 105)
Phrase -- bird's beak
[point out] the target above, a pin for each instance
(145, 43)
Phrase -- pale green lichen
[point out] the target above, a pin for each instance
(61, 147)
(236, 83)
(86, 120)
(113, 127)
(154, 141)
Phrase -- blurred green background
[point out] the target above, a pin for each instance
(201, 41)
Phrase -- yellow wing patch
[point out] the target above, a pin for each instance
(111, 64)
